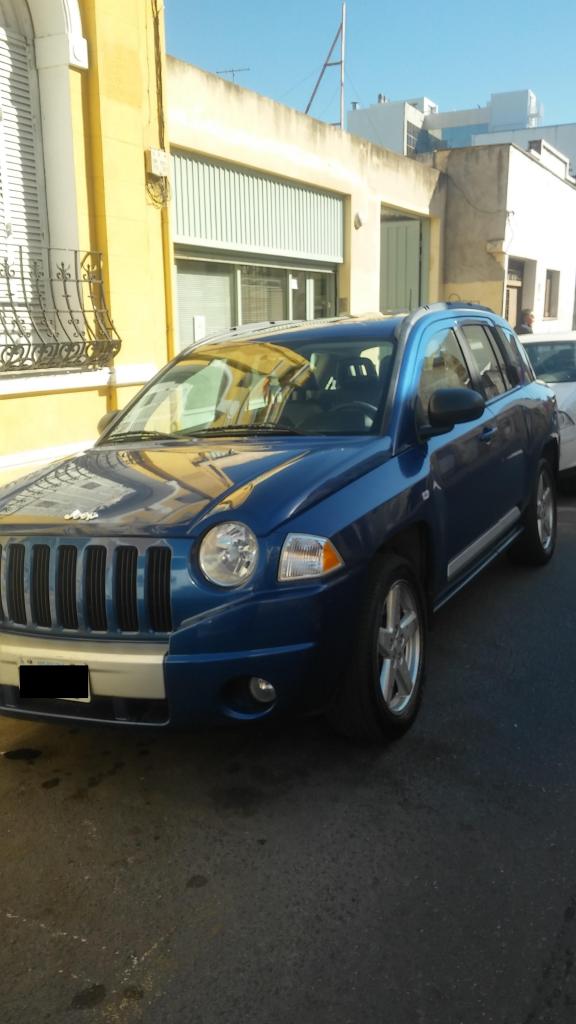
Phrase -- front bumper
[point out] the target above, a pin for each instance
(298, 640)
(126, 680)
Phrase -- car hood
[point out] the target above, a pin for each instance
(164, 491)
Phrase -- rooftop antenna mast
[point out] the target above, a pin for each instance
(232, 71)
(328, 63)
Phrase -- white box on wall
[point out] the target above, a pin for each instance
(157, 163)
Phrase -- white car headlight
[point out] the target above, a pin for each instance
(306, 557)
(564, 420)
(228, 554)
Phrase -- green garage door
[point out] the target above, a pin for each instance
(400, 264)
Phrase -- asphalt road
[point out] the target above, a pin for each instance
(292, 878)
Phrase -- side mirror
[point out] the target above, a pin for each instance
(105, 420)
(449, 406)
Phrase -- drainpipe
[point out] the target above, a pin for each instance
(168, 280)
(158, 7)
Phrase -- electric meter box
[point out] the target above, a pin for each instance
(157, 163)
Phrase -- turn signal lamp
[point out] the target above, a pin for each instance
(307, 557)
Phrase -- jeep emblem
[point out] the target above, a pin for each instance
(85, 517)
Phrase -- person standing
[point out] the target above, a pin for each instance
(525, 325)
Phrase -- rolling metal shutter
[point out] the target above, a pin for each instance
(205, 292)
(226, 207)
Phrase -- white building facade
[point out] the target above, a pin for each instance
(418, 126)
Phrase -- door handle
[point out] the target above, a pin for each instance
(488, 434)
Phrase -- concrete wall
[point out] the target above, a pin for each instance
(456, 118)
(211, 116)
(476, 197)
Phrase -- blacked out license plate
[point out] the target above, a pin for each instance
(54, 682)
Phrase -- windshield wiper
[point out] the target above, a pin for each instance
(144, 435)
(262, 428)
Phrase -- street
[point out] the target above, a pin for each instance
(288, 876)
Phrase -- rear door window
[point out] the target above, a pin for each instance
(516, 366)
(485, 356)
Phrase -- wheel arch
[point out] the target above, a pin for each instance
(551, 452)
(414, 543)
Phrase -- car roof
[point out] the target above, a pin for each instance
(526, 339)
(369, 326)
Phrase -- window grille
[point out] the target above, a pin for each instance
(53, 312)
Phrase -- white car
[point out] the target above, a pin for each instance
(553, 357)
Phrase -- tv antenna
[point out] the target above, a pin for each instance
(328, 63)
(232, 71)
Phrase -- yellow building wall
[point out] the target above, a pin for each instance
(120, 213)
(116, 117)
(27, 422)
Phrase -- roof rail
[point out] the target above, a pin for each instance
(247, 329)
(266, 327)
(433, 307)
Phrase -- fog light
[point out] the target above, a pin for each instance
(262, 691)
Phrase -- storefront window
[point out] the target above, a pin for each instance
(214, 296)
(264, 294)
(298, 280)
(324, 295)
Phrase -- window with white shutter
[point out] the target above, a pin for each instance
(22, 220)
(53, 311)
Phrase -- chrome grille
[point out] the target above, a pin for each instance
(106, 587)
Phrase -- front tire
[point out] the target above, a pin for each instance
(537, 543)
(379, 696)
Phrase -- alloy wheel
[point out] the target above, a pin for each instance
(400, 646)
(545, 511)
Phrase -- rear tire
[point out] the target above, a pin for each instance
(379, 695)
(537, 543)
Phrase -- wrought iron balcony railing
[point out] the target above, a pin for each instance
(53, 312)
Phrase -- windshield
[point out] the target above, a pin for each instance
(313, 387)
(553, 361)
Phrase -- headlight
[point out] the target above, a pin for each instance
(564, 420)
(304, 557)
(228, 554)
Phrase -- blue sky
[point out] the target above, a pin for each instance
(457, 54)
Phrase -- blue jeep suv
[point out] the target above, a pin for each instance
(269, 524)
